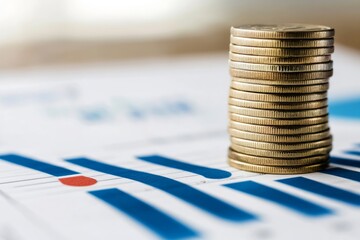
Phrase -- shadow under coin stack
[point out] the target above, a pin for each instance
(278, 115)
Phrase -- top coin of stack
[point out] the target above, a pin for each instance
(278, 116)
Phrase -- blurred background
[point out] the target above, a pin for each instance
(50, 32)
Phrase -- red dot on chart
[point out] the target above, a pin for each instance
(78, 181)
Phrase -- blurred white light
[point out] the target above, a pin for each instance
(121, 11)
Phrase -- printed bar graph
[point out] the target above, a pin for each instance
(281, 198)
(353, 152)
(206, 172)
(178, 189)
(323, 190)
(155, 220)
(38, 165)
(345, 161)
(63, 174)
(343, 173)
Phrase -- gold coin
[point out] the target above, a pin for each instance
(282, 146)
(282, 68)
(268, 97)
(277, 76)
(283, 31)
(279, 138)
(281, 82)
(276, 121)
(277, 161)
(282, 43)
(278, 130)
(278, 106)
(278, 60)
(277, 170)
(282, 114)
(264, 154)
(279, 89)
(281, 52)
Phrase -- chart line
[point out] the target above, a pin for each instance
(322, 189)
(353, 152)
(206, 172)
(281, 198)
(155, 220)
(343, 173)
(64, 175)
(177, 189)
(345, 161)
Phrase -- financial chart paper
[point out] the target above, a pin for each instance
(138, 151)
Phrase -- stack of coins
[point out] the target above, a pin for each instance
(278, 115)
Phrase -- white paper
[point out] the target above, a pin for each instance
(113, 113)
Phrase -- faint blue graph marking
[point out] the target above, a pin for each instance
(178, 189)
(188, 167)
(347, 108)
(343, 173)
(159, 222)
(353, 152)
(345, 161)
(323, 190)
(37, 165)
(94, 114)
(279, 197)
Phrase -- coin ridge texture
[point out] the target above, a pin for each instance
(281, 52)
(279, 138)
(280, 114)
(282, 67)
(281, 43)
(283, 31)
(283, 76)
(249, 87)
(281, 82)
(279, 130)
(237, 57)
(277, 169)
(278, 105)
(284, 154)
(277, 161)
(282, 146)
(274, 97)
(277, 121)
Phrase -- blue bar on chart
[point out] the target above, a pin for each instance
(154, 219)
(346, 108)
(345, 161)
(281, 198)
(63, 174)
(343, 173)
(323, 189)
(178, 189)
(206, 172)
(37, 165)
(353, 152)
